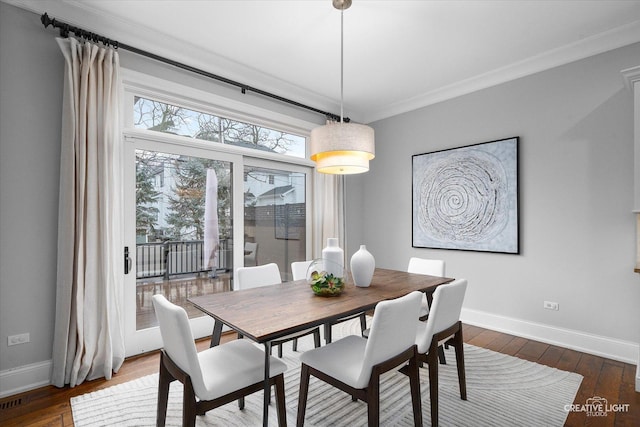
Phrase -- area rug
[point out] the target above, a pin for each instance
(502, 391)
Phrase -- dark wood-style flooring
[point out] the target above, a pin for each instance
(612, 380)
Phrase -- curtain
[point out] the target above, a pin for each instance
(329, 206)
(89, 339)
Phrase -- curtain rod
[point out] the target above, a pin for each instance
(65, 29)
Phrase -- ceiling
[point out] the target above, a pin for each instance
(398, 55)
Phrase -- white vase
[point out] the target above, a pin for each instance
(362, 266)
(334, 257)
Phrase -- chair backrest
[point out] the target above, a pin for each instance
(393, 330)
(444, 312)
(299, 269)
(260, 275)
(432, 267)
(178, 341)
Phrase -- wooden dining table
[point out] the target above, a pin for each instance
(267, 313)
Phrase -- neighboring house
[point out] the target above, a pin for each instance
(271, 187)
(277, 196)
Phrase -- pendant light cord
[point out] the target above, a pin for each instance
(342, 65)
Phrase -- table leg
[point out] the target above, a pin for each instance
(216, 334)
(267, 388)
(429, 298)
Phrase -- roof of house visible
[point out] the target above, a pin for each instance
(277, 191)
(244, 144)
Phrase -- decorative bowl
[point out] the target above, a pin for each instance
(325, 278)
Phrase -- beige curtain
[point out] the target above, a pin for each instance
(89, 340)
(329, 209)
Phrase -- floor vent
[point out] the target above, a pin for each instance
(9, 404)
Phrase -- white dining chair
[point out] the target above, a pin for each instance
(443, 326)
(431, 267)
(265, 275)
(354, 364)
(299, 269)
(299, 272)
(213, 377)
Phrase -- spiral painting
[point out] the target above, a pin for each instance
(467, 198)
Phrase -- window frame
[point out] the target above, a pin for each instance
(139, 84)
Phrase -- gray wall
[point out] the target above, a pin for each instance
(576, 192)
(31, 68)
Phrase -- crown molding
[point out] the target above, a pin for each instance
(631, 76)
(603, 42)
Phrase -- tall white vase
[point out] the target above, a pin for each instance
(362, 266)
(334, 255)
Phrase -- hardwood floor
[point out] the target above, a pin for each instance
(612, 380)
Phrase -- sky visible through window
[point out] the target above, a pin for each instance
(167, 118)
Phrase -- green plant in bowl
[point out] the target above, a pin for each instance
(326, 284)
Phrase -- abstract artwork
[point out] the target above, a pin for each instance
(467, 198)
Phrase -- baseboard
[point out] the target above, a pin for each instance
(623, 351)
(25, 378)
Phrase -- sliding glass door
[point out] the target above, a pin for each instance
(182, 242)
(275, 216)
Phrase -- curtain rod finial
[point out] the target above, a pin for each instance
(46, 21)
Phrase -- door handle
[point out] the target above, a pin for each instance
(128, 262)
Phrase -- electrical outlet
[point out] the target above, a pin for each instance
(550, 305)
(18, 339)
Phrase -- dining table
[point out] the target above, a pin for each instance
(267, 313)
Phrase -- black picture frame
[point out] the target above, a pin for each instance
(467, 198)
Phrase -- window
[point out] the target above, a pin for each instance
(172, 119)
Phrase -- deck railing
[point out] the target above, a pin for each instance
(164, 259)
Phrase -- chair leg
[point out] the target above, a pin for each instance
(280, 350)
(459, 347)
(416, 398)
(441, 357)
(282, 410)
(327, 333)
(164, 381)
(302, 395)
(373, 401)
(188, 405)
(241, 403)
(432, 361)
(363, 322)
(295, 344)
(316, 338)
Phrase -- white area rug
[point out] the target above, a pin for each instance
(501, 391)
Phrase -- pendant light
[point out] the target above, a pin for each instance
(339, 147)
